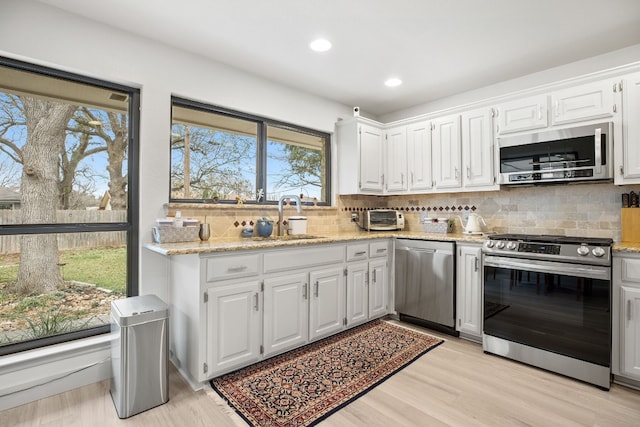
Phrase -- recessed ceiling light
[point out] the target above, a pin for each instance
(320, 45)
(393, 82)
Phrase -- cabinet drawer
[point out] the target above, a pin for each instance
(630, 270)
(229, 267)
(357, 252)
(289, 259)
(378, 249)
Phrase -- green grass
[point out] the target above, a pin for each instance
(105, 267)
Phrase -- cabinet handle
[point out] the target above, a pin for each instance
(629, 315)
(304, 291)
(412, 181)
(381, 250)
(360, 253)
(374, 276)
(539, 112)
(468, 172)
(475, 264)
(621, 170)
(317, 284)
(401, 179)
(237, 269)
(256, 307)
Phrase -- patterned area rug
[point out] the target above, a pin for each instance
(304, 386)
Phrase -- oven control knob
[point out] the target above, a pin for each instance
(598, 252)
(511, 245)
(583, 250)
(489, 243)
(500, 245)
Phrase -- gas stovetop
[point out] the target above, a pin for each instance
(573, 249)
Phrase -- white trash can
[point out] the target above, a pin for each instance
(139, 354)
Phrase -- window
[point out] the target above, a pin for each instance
(68, 156)
(218, 154)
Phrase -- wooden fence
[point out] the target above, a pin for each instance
(11, 244)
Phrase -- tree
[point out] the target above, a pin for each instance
(46, 122)
(302, 167)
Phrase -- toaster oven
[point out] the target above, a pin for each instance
(382, 220)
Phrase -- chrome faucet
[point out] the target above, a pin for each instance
(298, 207)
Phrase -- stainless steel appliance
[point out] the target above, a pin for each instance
(382, 220)
(581, 153)
(547, 303)
(424, 283)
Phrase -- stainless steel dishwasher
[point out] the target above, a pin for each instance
(425, 283)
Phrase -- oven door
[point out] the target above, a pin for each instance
(558, 307)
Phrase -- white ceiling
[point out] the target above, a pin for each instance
(437, 47)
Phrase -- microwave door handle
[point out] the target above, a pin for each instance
(598, 149)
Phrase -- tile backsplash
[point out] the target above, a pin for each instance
(577, 209)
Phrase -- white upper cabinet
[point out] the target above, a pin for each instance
(419, 152)
(478, 169)
(360, 157)
(585, 102)
(521, 115)
(371, 159)
(627, 153)
(446, 152)
(396, 159)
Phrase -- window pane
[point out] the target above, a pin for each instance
(296, 165)
(212, 155)
(81, 274)
(63, 150)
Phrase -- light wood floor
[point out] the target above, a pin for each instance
(455, 384)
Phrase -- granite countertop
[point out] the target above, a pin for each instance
(628, 247)
(235, 244)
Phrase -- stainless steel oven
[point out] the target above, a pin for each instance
(547, 302)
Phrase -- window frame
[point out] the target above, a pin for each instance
(133, 212)
(261, 149)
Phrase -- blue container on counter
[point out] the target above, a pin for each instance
(264, 227)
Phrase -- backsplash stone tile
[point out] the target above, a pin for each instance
(577, 210)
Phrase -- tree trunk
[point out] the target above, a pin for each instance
(46, 122)
(116, 150)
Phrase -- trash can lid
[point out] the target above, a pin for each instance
(135, 310)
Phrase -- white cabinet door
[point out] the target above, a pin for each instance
(286, 313)
(469, 291)
(586, 102)
(234, 320)
(478, 149)
(378, 287)
(396, 159)
(521, 115)
(627, 151)
(371, 151)
(630, 332)
(446, 152)
(357, 293)
(419, 152)
(326, 310)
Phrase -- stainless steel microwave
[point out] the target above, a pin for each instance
(582, 153)
(382, 220)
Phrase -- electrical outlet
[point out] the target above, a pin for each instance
(354, 217)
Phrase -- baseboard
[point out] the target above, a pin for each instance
(33, 375)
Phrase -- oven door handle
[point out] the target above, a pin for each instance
(591, 272)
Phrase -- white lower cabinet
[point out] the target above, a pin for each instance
(367, 281)
(469, 291)
(229, 310)
(326, 306)
(286, 312)
(234, 320)
(626, 316)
